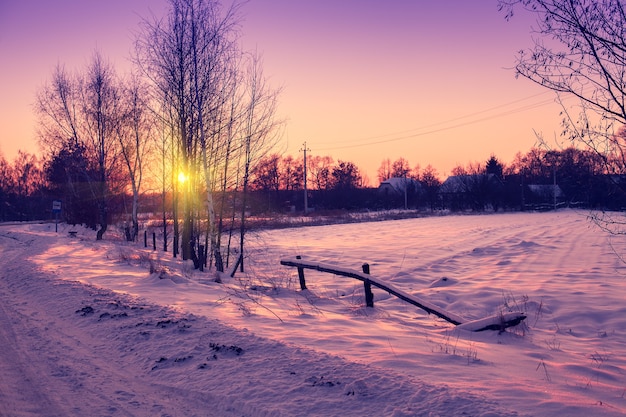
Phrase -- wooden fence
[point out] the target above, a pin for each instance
(497, 322)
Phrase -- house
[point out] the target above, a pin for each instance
(399, 192)
(543, 196)
(397, 186)
(472, 191)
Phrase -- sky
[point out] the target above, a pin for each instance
(93, 332)
(363, 81)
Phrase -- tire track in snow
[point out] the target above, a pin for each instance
(22, 390)
(50, 368)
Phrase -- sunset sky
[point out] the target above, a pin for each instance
(363, 80)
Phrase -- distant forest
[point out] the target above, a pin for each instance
(537, 180)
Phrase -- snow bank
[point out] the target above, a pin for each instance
(282, 351)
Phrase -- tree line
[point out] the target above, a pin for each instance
(276, 185)
(584, 178)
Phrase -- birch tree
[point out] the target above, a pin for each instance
(193, 59)
(184, 56)
(260, 132)
(134, 134)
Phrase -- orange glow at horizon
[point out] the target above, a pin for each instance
(362, 81)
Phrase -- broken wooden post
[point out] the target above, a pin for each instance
(369, 295)
(301, 275)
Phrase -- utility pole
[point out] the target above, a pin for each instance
(406, 185)
(554, 186)
(306, 204)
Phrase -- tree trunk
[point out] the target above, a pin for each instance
(103, 221)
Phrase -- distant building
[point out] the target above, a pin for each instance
(397, 186)
(543, 196)
(473, 191)
(399, 192)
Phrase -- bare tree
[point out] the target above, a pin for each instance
(260, 132)
(617, 158)
(215, 68)
(101, 102)
(6, 175)
(320, 169)
(431, 183)
(27, 174)
(400, 168)
(416, 172)
(266, 173)
(160, 165)
(135, 138)
(85, 109)
(58, 108)
(291, 173)
(187, 56)
(385, 170)
(221, 117)
(580, 52)
(6, 184)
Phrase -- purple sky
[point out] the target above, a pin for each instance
(363, 80)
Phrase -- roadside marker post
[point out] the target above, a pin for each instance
(56, 209)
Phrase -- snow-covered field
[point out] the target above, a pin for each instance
(131, 343)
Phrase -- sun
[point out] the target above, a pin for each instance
(182, 178)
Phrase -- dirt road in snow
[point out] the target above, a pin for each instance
(23, 390)
(50, 367)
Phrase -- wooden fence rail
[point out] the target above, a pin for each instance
(498, 322)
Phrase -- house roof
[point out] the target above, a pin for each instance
(397, 184)
(545, 189)
(464, 183)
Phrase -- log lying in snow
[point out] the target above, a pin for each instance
(497, 322)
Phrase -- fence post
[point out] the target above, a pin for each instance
(369, 296)
(301, 275)
(145, 238)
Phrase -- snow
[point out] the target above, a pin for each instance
(86, 329)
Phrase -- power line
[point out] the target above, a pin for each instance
(407, 134)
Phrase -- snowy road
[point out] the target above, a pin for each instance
(48, 367)
(21, 390)
(23, 385)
